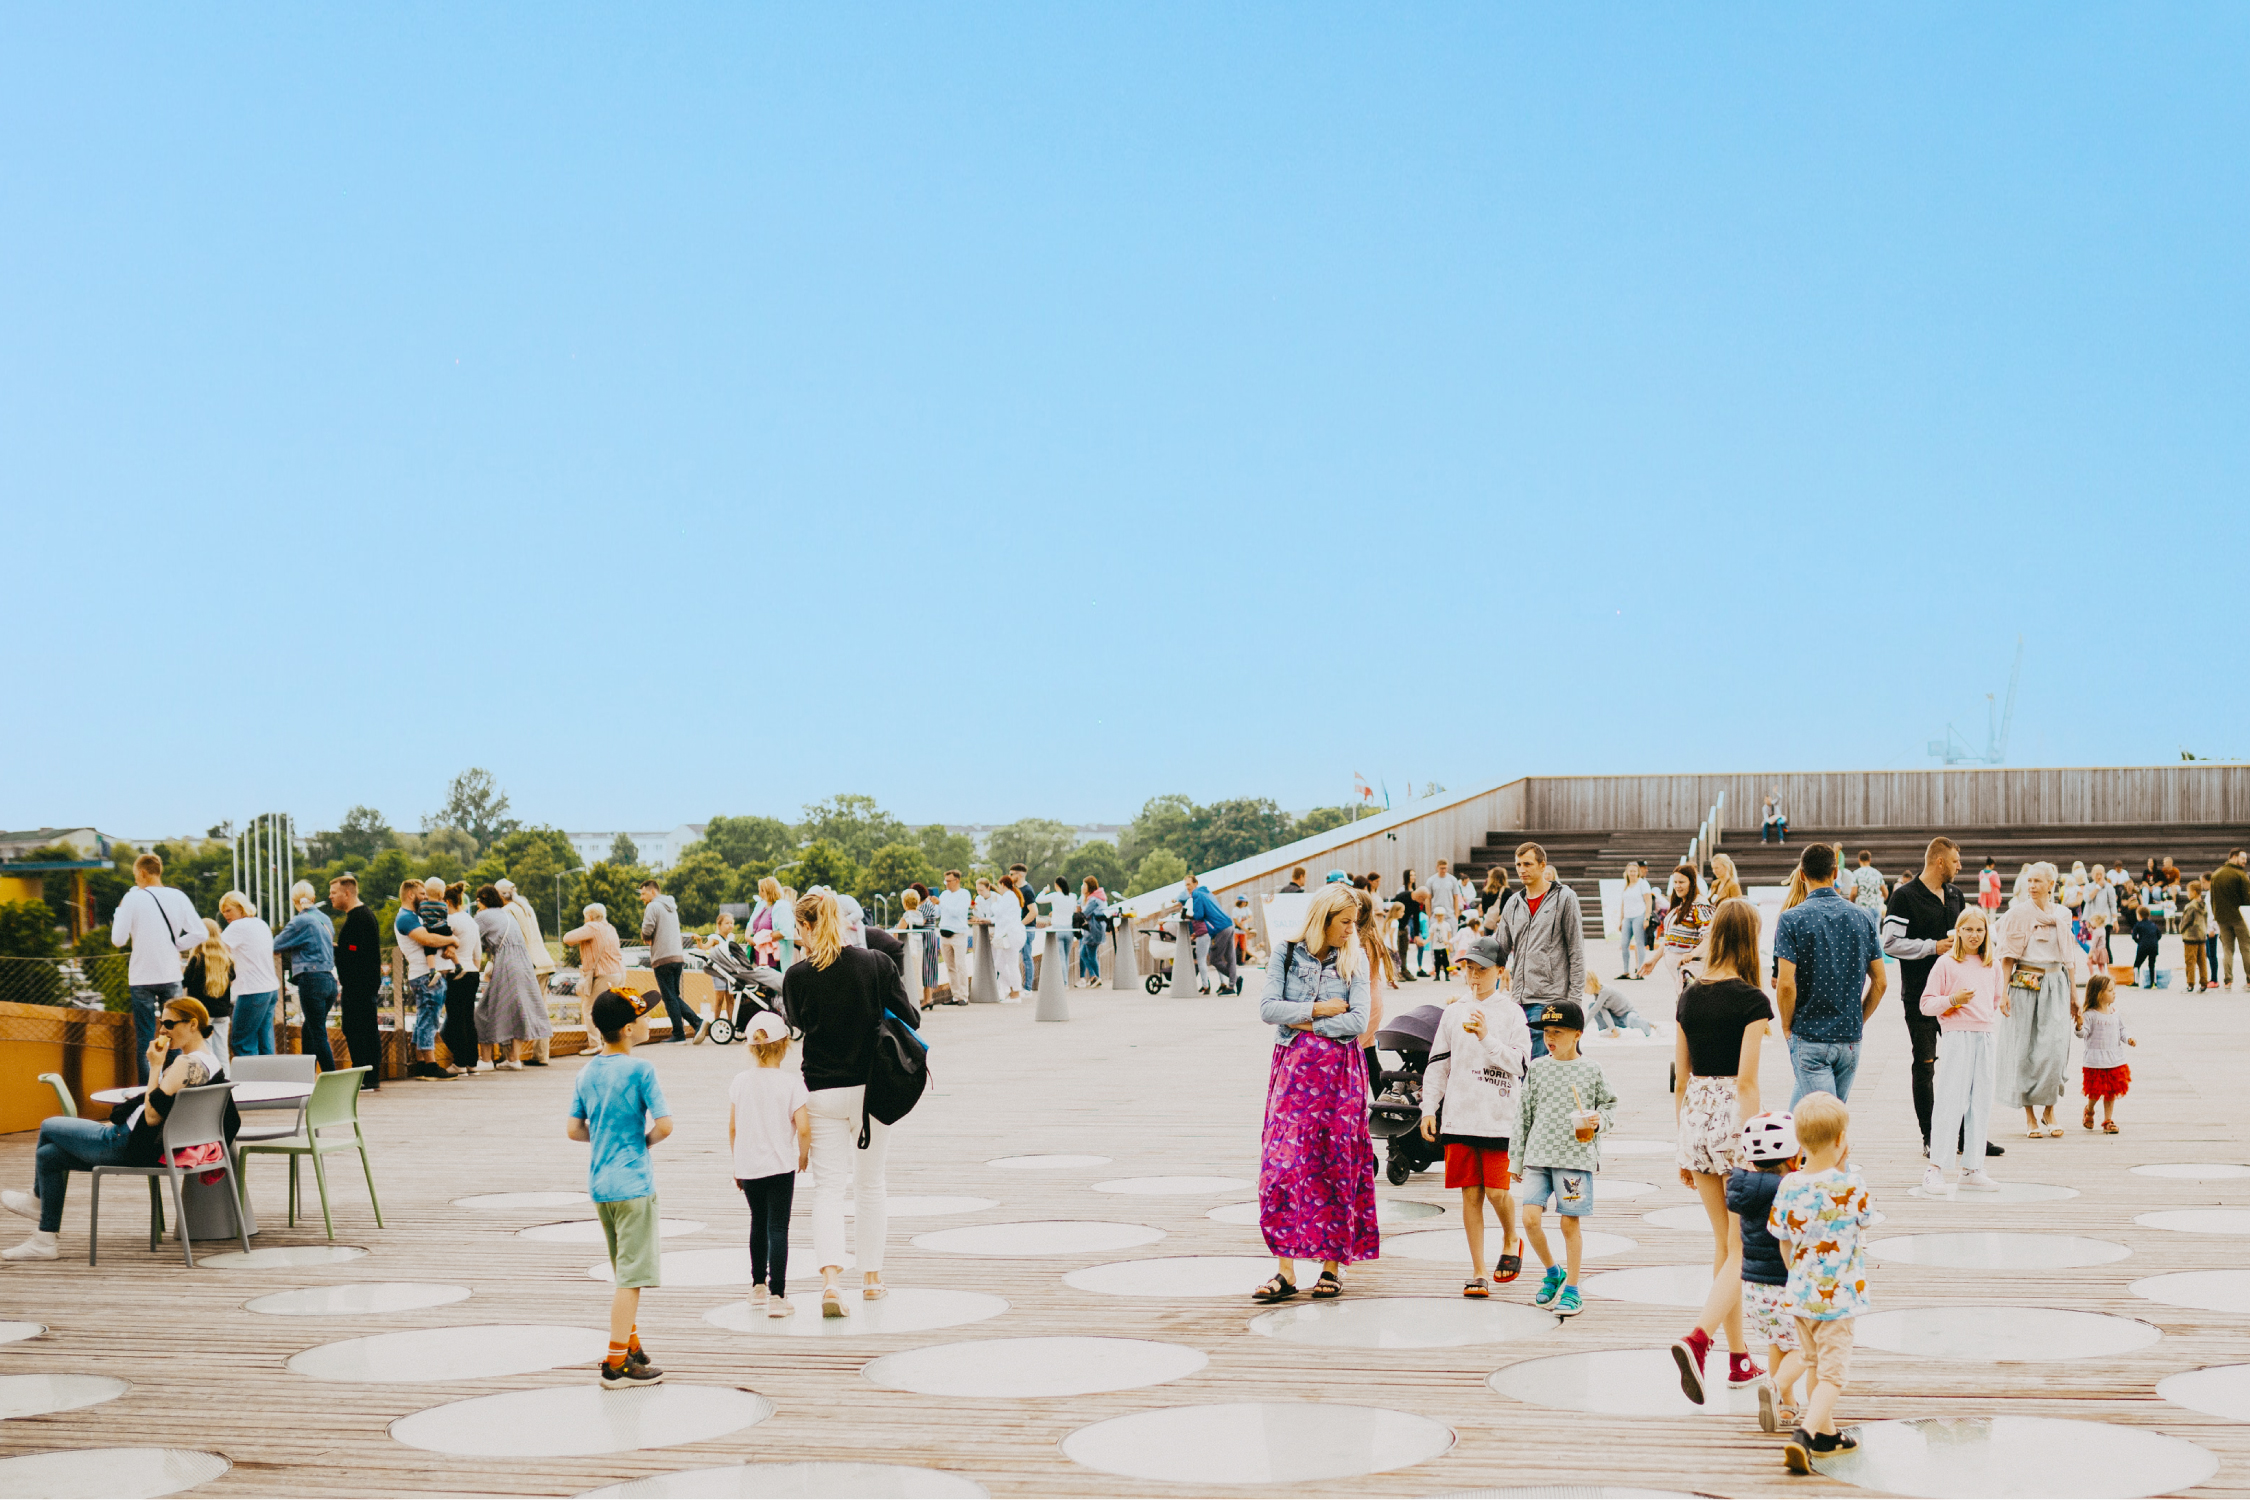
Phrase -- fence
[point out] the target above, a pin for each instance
(86, 983)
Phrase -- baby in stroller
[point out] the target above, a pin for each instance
(752, 988)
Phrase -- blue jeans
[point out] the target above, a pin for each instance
(1531, 1015)
(66, 1144)
(316, 992)
(253, 1025)
(1636, 944)
(1090, 955)
(148, 1002)
(429, 1009)
(1822, 1067)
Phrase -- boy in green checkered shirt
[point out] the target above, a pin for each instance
(1563, 1095)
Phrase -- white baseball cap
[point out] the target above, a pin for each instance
(768, 1028)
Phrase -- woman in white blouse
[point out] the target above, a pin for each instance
(250, 946)
(2040, 961)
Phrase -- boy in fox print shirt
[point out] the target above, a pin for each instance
(1818, 1213)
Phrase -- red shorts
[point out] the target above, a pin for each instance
(2097, 1083)
(1470, 1166)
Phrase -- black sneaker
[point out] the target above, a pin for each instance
(629, 1376)
(638, 1359)
(1990, 1149)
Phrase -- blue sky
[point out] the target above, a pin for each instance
(1015, 411)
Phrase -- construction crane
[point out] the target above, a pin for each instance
(1954, 749)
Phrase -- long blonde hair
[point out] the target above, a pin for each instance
(820, 933)
(769, 890)
(1381, 962)
(1322, 910)
(218, 965)
(1723, 881)
(1798, 890)
(1984, 944)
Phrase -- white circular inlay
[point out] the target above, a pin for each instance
(1663, 1286)
(727, 1267)
(1618, 1147)
(1683, 1216)
(906, 1206)
(1996, 1252)
(1039, 1237)
(357, 1299)
(1403, 1323)
(572, 1421)
(2194, 1171)
(1622, 1383)
(37, 1395)
(522, 1200)
(589, 1231)
(1390, 1213)
(903, 1309)
(814, 1481)
(1174, 1187)
(436, 1354)
(2198, 1220)
(2008, 1192)
(1047, 1163)
(108, 1473)
(2220, 1391)
(2213, 1291)
(16, 1333)
(1179, 1276)
(1451, 1246)
(282, 1257)
(2002, 1333)
(2006, 1457)
(1017, 1369)
(1257, 1442)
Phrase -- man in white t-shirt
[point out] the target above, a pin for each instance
(159, 924)
(424, 984)
(1633, 918)
(953, 905)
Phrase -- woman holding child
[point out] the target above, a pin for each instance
(1316, 1175)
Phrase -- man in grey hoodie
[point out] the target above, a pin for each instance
(660, 929)
(1542, 941)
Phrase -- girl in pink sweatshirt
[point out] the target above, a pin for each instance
(1965, 994)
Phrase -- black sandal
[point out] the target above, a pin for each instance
(1328, 1286)
(1279, 1289)
(1509, 1268)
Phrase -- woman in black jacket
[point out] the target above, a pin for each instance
(836, 996)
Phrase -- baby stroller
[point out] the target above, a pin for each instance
(750, 988)
(1162, 948)
(1396, 1115)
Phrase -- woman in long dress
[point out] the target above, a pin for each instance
(2040, 960)
(510, 1009)
(1316, 1172)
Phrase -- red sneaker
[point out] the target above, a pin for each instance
(1688, 1353)
(1741, 1369)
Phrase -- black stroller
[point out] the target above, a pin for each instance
(750, 988)
(1396, 1115)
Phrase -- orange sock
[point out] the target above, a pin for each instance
(633, 1339)
(616, 1360)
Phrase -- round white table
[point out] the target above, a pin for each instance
(252, 1094)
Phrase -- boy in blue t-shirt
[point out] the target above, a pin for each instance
(619, 1108)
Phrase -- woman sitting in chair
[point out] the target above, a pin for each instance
(178, 1059)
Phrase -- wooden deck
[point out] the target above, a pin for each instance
(1162, 1087)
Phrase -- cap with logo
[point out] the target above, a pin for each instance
(1564, 1013)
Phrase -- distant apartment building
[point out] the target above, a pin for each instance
(657, 847)
(90, 843)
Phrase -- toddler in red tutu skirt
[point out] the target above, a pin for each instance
(2106, 1077)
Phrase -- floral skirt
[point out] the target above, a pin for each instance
(1316, 1173)
(2106, 1083)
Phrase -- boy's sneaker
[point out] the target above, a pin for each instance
(1688, 1353)
(1742, 1370)
(1569, 1304)
(1798, 1451)
(1979, 1182)
(1933, 1180)
(638, 1359)
(1550, 1287)
(1769, 1407)
(629, 1376)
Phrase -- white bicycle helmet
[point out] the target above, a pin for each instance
(1771, 1136)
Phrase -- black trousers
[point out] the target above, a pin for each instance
(361, 1036)
(769, 1228)
(461, 1018)
(684, 1021)
(1923, 1031)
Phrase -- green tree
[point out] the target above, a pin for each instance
(822, 863)
(1164, 823)
(1320, 820)
(455, 846)
(358, 839)
(1098, 859)
(200, 870)
(474, 804)
(1235, 829)
(1042, 844)
(854, 824)
(747, 840)
(699, 881)
(27, 930)
(894, 867)
(948, 851)
(623, 851)
(1161, 868)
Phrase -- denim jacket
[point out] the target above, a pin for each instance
(1295, 980)
(310, 941)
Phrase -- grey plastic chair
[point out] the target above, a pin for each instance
(281, 1068)
(198, 1118)
(331, 1125)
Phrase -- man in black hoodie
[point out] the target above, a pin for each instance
(359, 977)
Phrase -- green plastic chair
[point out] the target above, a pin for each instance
(62, 1093)
(331, 1125)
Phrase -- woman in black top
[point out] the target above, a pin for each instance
(1723, 1022)
(836, 996)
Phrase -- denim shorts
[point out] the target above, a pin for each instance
(1572, 1188)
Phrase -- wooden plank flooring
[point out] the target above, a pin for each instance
(1162, 1087)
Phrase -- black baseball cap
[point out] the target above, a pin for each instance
(1564, 1013)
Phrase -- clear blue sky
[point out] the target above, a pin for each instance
(1015, 411)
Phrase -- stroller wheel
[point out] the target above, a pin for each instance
(1398, 1171)
(722, 1030)
(1153, 985)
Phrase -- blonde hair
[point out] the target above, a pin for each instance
(1381, 962)
(1732, 940)
(1323, 909)
(769, 890)
(1821, 1119)
(1723, 880)
(239, 902)
(1798, 889)
(819, 932)
(301, 895)
(218, 964)
(770, 1054)
(910, 900)
(1984, 945)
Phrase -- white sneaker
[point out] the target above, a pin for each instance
(1977, 1181)
(17, 1201)
(780, 1307)
(1933, 1181)
(41, 1246)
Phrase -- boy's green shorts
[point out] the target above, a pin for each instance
(629, 1226)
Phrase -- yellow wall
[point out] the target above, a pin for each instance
(22, 888)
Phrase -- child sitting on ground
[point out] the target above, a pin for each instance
(1611, 1009)
(1476, 1061)
(2104, 1076)
(1566, 1106)
(769, 1132)
(1818, 1213)
(1769, 1146)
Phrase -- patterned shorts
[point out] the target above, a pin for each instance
(1709, 1136)
(1767, 1321)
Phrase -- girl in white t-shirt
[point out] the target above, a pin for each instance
(769, 1134)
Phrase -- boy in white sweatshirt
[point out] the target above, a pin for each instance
(1477, 1060)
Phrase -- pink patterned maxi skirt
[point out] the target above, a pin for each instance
(1316, 1177)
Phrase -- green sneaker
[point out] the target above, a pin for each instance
(1569, 1304)
(1549, 1286)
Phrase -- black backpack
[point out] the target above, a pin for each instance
(898, 1069)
